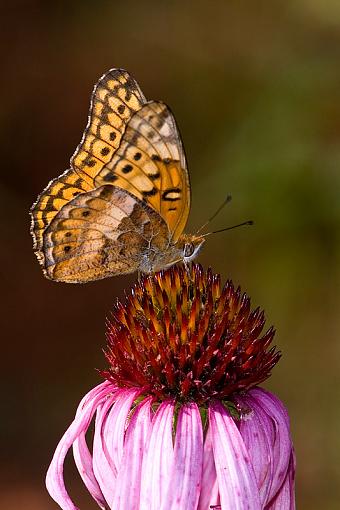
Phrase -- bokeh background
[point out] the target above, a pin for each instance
(255, 87)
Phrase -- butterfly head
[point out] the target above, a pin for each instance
(190, 245)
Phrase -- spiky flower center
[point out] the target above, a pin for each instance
(182, 335)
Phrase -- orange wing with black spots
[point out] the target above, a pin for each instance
(115, 98)
(150, 163)
(58, 193)
(104, 232)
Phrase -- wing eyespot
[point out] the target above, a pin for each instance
(171, 194)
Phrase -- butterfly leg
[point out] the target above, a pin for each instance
(186, 266)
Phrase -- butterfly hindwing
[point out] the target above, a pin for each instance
(104, 232)
(150, 163)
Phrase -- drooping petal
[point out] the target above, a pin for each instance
(282, 445)
(105, 454)
(186, 474)
(54, 477)
(269, 399)
(236, 478)
(103, 468)
(128, 483)
(114, 426)
(285, 499)
(209, 491)
(158, 458)
(83, 460)
(257, 431)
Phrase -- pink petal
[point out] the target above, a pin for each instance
(54, 478)
(285, 500)
(114, 426)
(270, 399)
(257, 431)
(209, 491)
(83, 461)
(158, 458)
(128, 483)
(282, 444)
(104, 466)
(236, 478)
(185, 478)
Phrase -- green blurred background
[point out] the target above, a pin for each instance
(255, 87)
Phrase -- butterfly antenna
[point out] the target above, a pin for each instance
(249, 222)
(225, 201)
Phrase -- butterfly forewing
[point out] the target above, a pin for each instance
(150, 163)
(115, 98)
(57, 194)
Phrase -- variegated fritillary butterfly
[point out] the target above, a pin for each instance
(124, 203)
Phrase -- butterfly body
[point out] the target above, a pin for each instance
(184, 250)
(123, 204)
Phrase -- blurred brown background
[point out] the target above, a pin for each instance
(255, 87)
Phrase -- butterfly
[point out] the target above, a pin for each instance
(124, 203)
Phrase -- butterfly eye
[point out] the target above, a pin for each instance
(189, 249)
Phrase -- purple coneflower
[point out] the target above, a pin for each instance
(180, 423)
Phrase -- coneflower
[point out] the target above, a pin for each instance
(180, 422)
